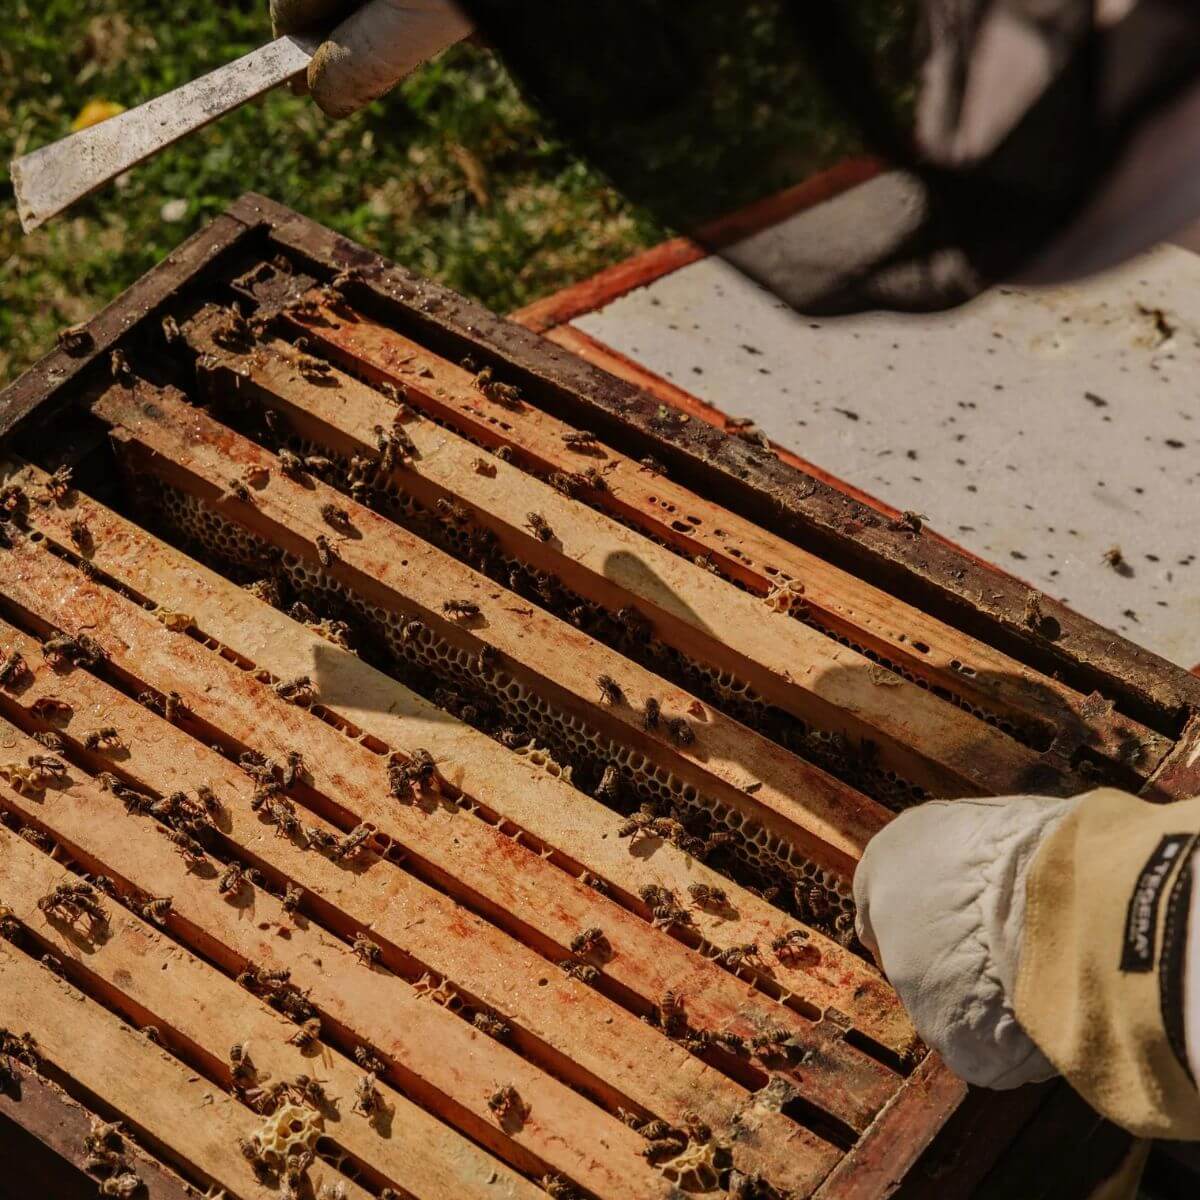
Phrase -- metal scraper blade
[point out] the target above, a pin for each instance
(53, 177)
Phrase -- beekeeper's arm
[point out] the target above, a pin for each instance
(1029, 937)
(369, 51)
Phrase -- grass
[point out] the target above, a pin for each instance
(452, 174)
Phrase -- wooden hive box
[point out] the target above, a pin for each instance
(423, 752)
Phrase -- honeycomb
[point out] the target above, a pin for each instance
(290, 1133)
(567, 736)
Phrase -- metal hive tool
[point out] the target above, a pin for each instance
(468, 760)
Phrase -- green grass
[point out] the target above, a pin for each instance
(452, 174)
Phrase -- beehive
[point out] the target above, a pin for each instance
(469, 756)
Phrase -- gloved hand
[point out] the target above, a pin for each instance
(372, 49)
(941, 901)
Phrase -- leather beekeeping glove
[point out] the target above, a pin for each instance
(1029, 936)
(941, 903)
(369, 49)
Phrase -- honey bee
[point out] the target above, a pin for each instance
(300, 688)
(106, 740)
(812, 902)
(418, 772)
(733, 1042)
(69, 901)
(581, 441)
(230, 881)
(538, 526)
(13, 670)
(292, 895)
(58, 485)
(589, 941)
(737, 955)
(80, 650)
(609, 787)
(239, 491)
(80, 535)
(492, 1026)
(504, 394)
(584, 972)
(594, 882)
(170, 330)
(610, 690)
(708, 896)
(680, 731)
(283, 817)
(51, 740)
(671, 1014)
(307, 1033)
(651, 713)
(367, 951)
(124, 1185)
(665, 909)
(320, 840)
(318, 464)
(315, 370)
(76, 340)
(463, 610)
(48, 708)
(368, 1059)
(843, 929)
(325, 554)
(192, 851)
(290, 463)
(569, 483)
(507, 1104)
(503, 453)
(652, 465)
(367, 1099)
(350, 844)
(908, 522)
(558, 1188)
(666, 1147)
(156, 909)
(339, 518)
(771, 1038)
(787, 946)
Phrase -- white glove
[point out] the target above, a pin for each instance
(372, 49)
(941, 901)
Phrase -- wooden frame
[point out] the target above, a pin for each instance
(168, 625)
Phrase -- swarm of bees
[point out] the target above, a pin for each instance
(79, 650)
(72, 900)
